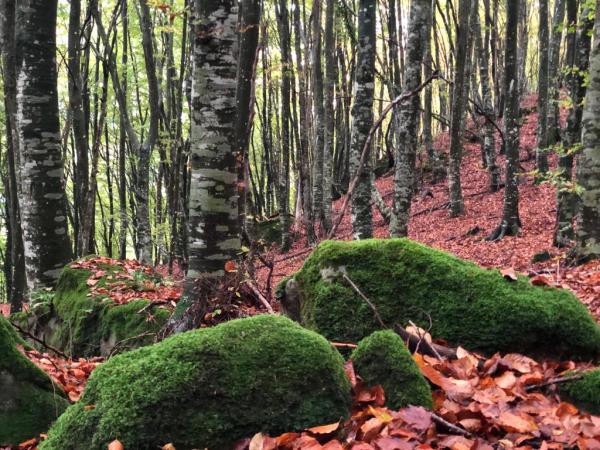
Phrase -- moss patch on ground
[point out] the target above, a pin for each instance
(83, 320)
(584, 393)
(382, 358)
(468, 305)
(29, 402)
(209, 388)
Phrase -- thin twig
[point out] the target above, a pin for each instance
(39, 341)
(363, 157)
(553, 381)
(454, 429)
(261, 298)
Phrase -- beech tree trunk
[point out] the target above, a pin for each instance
(511, 223)
(588, 164)
(408, 114)
(214, 236)
(362, 120)
(577, 63)
(43, 201)
(328, 110)
(541, 152)
(458, 109)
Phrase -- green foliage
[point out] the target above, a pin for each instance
(382, 358)
(208, 388)
(468, 305)
(584, 393)
(29, 401)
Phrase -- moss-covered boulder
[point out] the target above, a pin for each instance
(584, 392)
(382, 358)
(469, 306)
(82, 318)
(209, 388)
(29, 402)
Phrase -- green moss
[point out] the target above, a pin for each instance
(29, 401)
(208, 388)
(382, 358)
(584, 393)
(85, 325)
(468, 305)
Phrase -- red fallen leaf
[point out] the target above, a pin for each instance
(391, 443)
(506, 381)
(91, 282)
(509, 274)
(262, 442)
(230, 266)
(78, 373)
(307, 442)
(361, 446)
(370, 429)
(416, 417)
(374, 394)
(541, 280)
(566, 409)
(324, 429)
(349, 369)
(28, 444)
(115, 445)
(168, 446)
(456, 443)
(517, 362)
(516, 424)
(286, 439)
(333, 445)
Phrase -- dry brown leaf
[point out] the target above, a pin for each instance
(516, 424)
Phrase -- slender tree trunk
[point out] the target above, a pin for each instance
(577, 61)
(123, 217)
(248, 44)
(284, 169)
(318, 112)
(16, 270)
(328, 110)
(80, 185)
(553, 73)
(142, 188)
(43, 201)
(588, 164)
(489, 140)
(404, 173)
(541, 153)
(362, 120)
(511, 223)
(458, 107)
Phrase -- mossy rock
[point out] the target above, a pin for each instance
(467, 305)
(84, 325)
(584, 393)
(209, 388)
(382, 358)
(29, 402)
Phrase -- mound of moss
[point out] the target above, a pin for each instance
(382, 358)
(467, 305)
(84, 324)
(584, 393)
(29, 402)
(209, 388)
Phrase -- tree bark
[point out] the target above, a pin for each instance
(43, 200)
(408, 114)
(362, 120)
(458, 107)
(588, 164)
(511, 223)
(541, 152)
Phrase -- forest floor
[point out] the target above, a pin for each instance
(464, 236)
(506, 401)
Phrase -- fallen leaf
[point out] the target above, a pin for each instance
(115, 445)
(516, 424)
(509, 274)
(324, 429)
